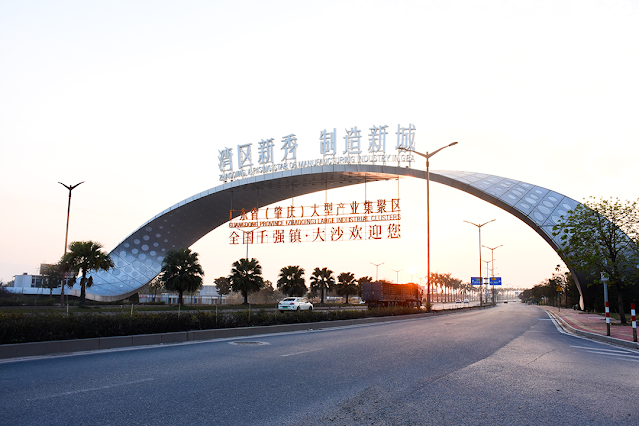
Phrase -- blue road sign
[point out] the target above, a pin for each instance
(475, 280)
(495, 280)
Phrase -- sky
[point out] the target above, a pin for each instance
(136, 98)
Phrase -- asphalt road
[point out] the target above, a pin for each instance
(507, 365)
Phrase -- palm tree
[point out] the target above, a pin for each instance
(246, 277)
(347, 286)
(85, 256)
(181, 271)
(322, 280)
(291, 281)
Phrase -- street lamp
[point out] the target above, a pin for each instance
(246, 240)
(376, 269)
(492, 271)
(427, 157)
(66, 235)
(398, 271)
(487, 277)
(480, 275)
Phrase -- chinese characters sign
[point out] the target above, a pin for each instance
(334, 150)
(317, 223)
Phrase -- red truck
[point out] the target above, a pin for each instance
(381, 294)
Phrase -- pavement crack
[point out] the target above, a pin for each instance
(544, 354)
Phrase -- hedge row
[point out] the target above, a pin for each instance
(23, 328)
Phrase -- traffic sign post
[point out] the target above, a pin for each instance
(477, 281)
(493, 282)
(559, 290)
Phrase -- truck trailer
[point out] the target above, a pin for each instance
(382, 294)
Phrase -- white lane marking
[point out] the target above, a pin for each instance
(636, 358)
(55, 395)
(619, 351)
(302, 352)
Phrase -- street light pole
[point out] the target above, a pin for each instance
(492, 271)
(480, 275)
(427, 157)
(395, 270)
(246, 240)
(376, 269)
(487, 276)
(66, 235)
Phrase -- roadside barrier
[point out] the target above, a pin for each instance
(634, 322)
(607, 318)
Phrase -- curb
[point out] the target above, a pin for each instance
(608, 339)
(21, 350)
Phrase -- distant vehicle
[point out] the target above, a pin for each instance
(466, 301)
(383, 294)
(295, 304)
(458, 301)
(505, 301)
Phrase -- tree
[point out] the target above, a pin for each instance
(52, 276)
(322, 281)
(291, 281)
(223, 285)
(246, 277)
(155, 285)
(181, 271)
(267, 294)
(346, 285)
(601, 236)
(83, 257)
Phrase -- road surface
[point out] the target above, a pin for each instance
(507, 365)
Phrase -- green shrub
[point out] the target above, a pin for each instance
(22, 328)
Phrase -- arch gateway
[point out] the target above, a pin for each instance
(138, 258)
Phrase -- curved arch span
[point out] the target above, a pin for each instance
(138, 258)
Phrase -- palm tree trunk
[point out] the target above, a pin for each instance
(83, 288)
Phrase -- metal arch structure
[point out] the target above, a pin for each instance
(138, 258)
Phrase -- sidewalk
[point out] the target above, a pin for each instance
(593, 325)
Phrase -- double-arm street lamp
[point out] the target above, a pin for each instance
(427, 157)
(492, 262)
(376, 269)
(480, 274)
(246, 238)
(398, 271)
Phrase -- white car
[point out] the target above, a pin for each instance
(295, 304)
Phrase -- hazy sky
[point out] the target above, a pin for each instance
(136, 98)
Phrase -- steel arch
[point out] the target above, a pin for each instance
(138, 258)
